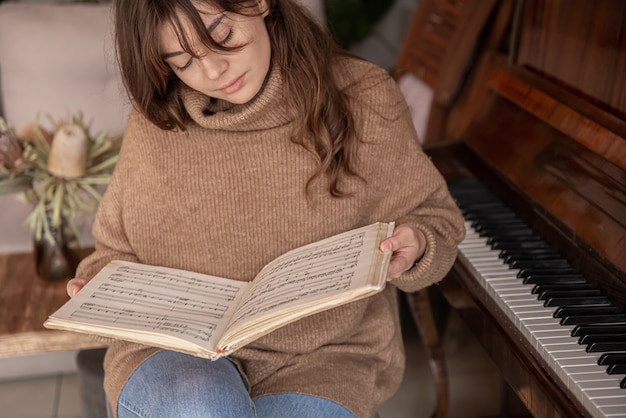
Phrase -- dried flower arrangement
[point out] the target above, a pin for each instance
(58, 171)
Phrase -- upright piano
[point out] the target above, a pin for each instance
(539, 172)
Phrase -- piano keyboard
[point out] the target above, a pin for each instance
(574, 328)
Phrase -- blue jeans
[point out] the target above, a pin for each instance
(174, 385)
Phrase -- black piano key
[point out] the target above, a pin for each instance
(503, 233)
(540, 254)
(513, 259)
(612, 358)
(499, 227)
(574, 301)
(605, 347)
(565, 311)
(527, 242)
(488, 222)
(546, 271)
(593, 319)
(598, 329)
(534, 243)
(540, 288)
(481, 217)
(555, 294)
(554, 279)
(528, 252)
(616, 369)
(540, 264)
(601, 338)
(483, 206)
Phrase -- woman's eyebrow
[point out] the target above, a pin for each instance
(210, 28)
(215, 24)
(168, 55)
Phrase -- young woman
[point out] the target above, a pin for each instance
(253, 134)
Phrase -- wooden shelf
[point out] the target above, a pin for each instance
(25, 303)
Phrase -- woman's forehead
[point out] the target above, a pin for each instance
(180, 27)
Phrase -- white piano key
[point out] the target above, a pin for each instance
(531, 312)
(544, 325)
(504, 284)
(602, 396)
(563, 340)
(543, 337)
(609, 398)
(594, 386)
(524, 298)
(503, 290)
(614, 411)
(582, 360)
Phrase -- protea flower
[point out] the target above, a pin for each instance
(10, 150)
(33, 132)
(59, 171)
(68, 152)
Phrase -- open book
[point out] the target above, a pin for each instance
(211, 316)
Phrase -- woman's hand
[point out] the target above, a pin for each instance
(74, 285)
(408, 245)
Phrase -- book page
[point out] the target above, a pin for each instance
(317, 271)
(149, 299)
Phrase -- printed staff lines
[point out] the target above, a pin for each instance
(319, 278)
(343, 261)
(265, 302)
(339, 246)
(150, 299)
(317, 286)
(179, 284)
(124, 317)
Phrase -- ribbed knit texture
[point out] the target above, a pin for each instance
(227, 196)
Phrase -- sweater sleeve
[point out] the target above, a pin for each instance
(404, 184)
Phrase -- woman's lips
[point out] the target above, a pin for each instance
(234, 86)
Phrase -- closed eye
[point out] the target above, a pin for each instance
(227, 38)
(184, 67)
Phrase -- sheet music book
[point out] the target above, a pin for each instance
(210, 316)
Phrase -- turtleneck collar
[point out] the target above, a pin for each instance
(266, 110)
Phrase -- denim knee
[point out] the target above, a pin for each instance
(176, 385)
(298, 405)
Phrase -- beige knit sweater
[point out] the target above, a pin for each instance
(227, 195)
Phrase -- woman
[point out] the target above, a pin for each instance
(253, 134)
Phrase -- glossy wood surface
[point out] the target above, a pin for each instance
(574, 191)
(579, 44)
(25, 303)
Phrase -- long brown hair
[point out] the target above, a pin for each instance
(300, 48)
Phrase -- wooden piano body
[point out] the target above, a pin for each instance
(541, 122)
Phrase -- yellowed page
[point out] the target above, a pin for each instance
(153, 305)
(315, 277)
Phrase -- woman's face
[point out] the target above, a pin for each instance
(232, 76)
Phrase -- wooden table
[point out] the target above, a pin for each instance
(25, 303)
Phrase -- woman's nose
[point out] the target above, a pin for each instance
(214, 65)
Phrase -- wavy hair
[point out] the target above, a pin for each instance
(300, 47)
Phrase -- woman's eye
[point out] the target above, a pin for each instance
(227, 38)
(184, 67)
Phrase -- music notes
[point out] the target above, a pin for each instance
(149, 298)
(319, 270)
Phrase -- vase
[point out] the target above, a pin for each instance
(54, 259)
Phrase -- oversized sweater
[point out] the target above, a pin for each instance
(227, 195)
